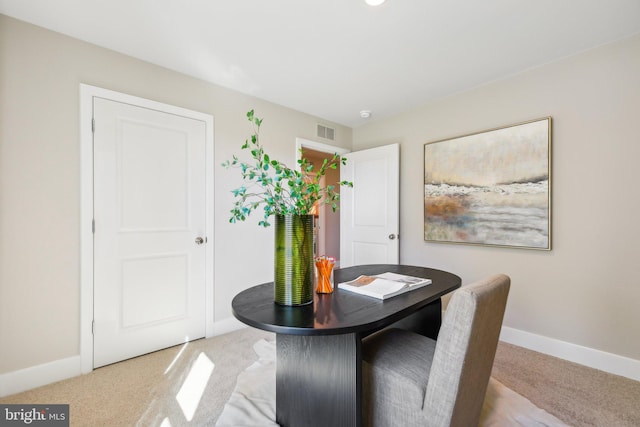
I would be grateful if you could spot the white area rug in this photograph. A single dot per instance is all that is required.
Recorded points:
(253, 400)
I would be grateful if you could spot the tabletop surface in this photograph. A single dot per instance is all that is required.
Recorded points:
(342, 311)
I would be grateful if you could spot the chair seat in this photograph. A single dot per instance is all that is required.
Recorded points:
(396, 366)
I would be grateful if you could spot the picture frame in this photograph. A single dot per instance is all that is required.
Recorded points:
(491, 187)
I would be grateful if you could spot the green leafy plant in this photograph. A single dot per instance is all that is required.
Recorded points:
(277, 188)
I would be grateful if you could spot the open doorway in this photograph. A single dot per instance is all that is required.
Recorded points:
(326, 222)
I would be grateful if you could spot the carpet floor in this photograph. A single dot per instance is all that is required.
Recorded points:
(162, 388)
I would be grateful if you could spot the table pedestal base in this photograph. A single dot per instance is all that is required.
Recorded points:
(319, 380)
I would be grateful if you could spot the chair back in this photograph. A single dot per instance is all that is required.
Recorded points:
(464, 353)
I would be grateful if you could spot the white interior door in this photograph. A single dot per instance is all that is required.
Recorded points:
(369, 212)
(149, 242)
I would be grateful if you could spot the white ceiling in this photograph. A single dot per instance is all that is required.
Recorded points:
(334, 58)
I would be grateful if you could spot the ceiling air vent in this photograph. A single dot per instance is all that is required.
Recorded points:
(326, 132)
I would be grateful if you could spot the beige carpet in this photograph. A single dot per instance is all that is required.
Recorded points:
(574, 393)
(143, 391)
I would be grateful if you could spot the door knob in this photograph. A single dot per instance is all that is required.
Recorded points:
(199, 240)
(392, 236)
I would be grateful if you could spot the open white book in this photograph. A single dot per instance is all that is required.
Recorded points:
(385, 285)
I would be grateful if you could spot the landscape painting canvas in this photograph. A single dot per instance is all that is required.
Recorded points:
(490, 188)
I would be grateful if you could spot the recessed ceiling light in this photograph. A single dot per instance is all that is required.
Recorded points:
(365, 114)
(374, 2)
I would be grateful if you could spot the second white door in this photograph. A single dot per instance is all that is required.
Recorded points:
(150, 236)
(369, 212)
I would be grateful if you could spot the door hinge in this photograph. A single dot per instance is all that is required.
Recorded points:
(93, 125)
(93, 226)
(93, 327)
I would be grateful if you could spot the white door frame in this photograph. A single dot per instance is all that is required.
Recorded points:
(87, 93)
(323, 148)
(318, 146)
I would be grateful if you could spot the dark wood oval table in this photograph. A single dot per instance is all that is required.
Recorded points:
(318, 346)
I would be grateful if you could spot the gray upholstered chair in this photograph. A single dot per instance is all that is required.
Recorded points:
(411, 380)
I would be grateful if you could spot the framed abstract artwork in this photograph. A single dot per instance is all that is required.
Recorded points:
(491, 187)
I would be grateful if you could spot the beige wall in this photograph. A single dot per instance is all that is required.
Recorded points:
(40, 74)
(586, 291)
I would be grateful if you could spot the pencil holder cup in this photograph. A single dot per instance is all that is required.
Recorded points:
(324, 277)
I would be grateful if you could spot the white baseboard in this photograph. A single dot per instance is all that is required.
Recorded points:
(227, 325)
(36, 376)
(47, 373)
(608, 362)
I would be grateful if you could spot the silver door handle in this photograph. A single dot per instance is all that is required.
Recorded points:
(199, 240)
(392, 236)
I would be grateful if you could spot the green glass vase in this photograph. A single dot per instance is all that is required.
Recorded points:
(293, 275)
